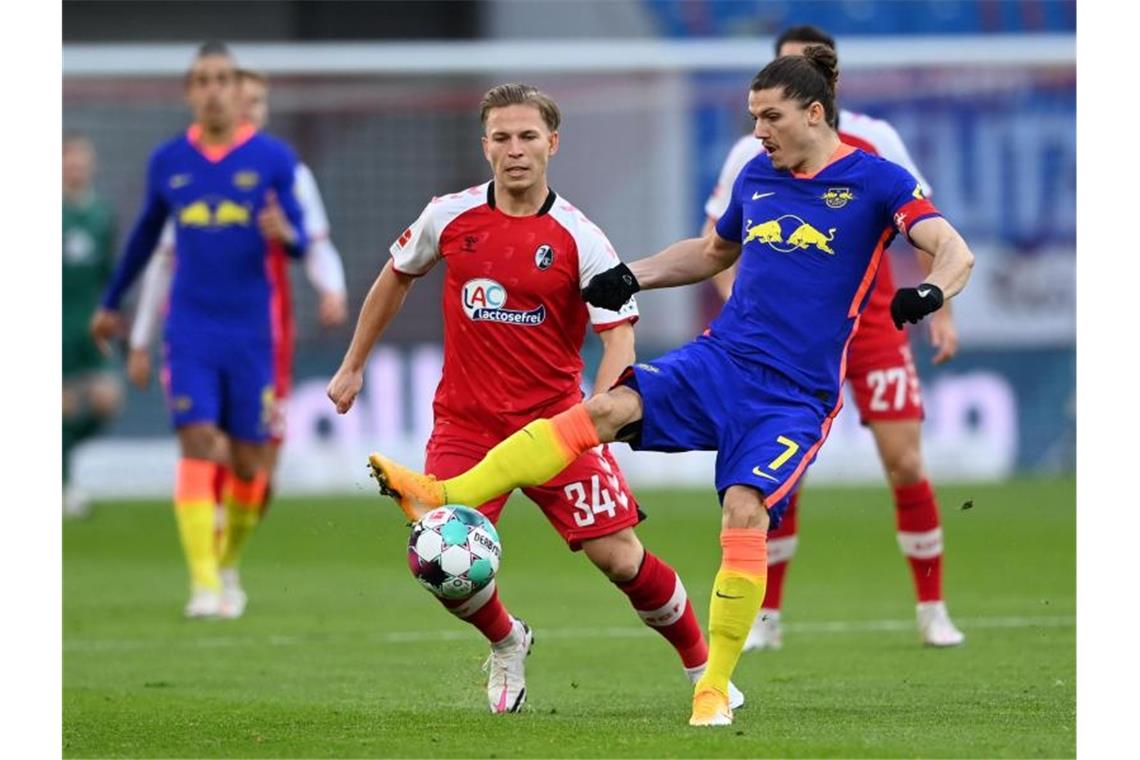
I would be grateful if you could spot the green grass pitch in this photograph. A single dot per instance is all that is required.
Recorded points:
(341, 654)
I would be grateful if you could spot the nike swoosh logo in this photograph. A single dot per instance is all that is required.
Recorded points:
(726, 596)
(757, 471)
(923, 292)
(758, 196)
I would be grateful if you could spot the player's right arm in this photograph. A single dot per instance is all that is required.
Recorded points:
(413, 254)
(106, 321)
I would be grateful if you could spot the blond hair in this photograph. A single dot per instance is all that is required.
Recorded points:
(515, 94)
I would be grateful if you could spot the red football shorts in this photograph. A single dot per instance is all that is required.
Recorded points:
(881, 372)
(589, 499)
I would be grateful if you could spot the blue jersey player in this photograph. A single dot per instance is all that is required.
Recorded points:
(809, 220)
(229, 191)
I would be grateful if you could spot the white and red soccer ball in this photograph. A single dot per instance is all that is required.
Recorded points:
(454, 551)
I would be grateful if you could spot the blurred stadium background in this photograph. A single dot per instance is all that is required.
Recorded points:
(652, 92)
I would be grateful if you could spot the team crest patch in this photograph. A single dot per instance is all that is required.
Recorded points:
(485, 300)
(544, 257)
(246, 179)
(837, 197)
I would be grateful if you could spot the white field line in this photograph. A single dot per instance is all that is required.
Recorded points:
(79, 644)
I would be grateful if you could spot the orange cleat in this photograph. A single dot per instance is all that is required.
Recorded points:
(710, 708)
(416, 494)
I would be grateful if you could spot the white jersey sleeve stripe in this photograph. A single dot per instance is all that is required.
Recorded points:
(416, 251)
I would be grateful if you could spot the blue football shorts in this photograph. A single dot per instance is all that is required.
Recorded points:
(765, 428)
(225, 382)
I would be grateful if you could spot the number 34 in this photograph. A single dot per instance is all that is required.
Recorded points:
(600, 502)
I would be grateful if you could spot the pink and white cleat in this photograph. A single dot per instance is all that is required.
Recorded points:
(506, 670)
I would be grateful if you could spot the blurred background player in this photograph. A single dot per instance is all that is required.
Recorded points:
(517, 255)
(777, 350)
(92, 393)
(323, 268)
(230, 191)
(881, 372)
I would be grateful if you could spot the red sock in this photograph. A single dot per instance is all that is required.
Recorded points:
(659, 598)
(920, 537)
(782, 544)
(485, 612)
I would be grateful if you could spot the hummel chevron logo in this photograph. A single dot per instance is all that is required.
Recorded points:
(758, 196)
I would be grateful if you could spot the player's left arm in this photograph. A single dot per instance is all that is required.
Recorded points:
(280, 218)
(943, 331)
(618, 352)
(951, 263)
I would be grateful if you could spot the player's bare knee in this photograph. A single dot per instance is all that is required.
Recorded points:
(614, 412)
(246, 460)
(197, 441)
(905, 468)
(618, 555)
(744, 508)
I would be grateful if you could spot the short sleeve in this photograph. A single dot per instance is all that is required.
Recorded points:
(416, 251)
(906, 201)
(596, 255)
(729, 225)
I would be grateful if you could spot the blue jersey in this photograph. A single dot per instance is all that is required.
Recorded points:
(221, 284)
(811, 250)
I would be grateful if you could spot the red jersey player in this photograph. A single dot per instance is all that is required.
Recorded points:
(517, 256)
(885, 384)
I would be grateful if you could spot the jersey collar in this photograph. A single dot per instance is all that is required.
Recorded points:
(547, 204)
(215, 153)
(843, 151)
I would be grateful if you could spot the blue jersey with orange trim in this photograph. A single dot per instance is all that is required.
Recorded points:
(221, 285)
(811, 250)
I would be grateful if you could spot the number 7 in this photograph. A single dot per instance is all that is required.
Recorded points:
(793, 447)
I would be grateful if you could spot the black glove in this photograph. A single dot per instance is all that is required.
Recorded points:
(912, 304)
(612, 288)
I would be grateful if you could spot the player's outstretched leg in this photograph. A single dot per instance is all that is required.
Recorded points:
(737, 592)
(529, 457)
(767, 633)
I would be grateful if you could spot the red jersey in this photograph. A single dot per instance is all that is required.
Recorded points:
(513, 315)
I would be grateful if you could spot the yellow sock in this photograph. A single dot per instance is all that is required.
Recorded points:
(194, 511)
(737, 593)
(529, 457)
(243, 512)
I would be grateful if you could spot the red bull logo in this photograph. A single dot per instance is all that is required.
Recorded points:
(801, 235)
(225, 213)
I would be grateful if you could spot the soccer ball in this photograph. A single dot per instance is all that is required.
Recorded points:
(454, 551)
